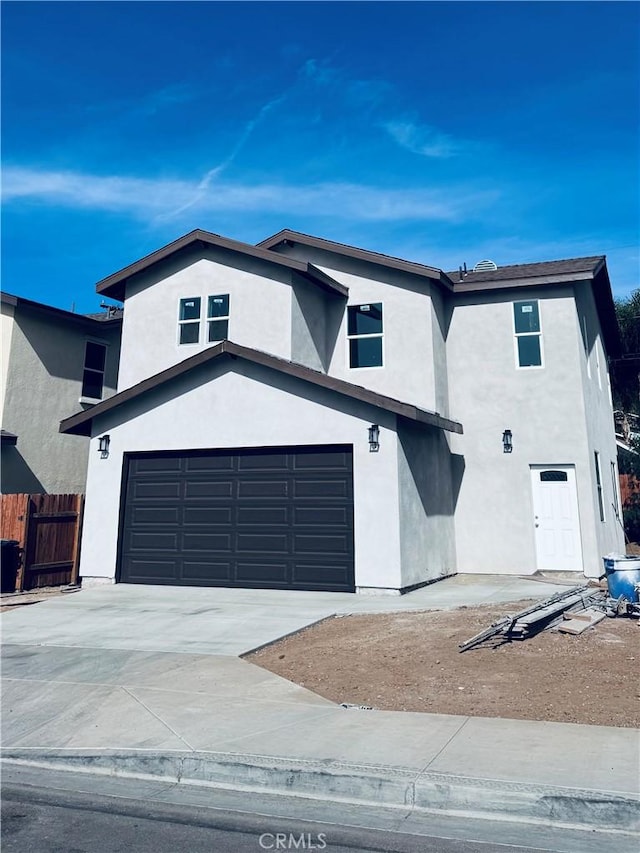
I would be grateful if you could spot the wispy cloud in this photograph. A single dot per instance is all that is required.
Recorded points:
(379, 99)
(145, 197)
(421, 139)
(204, 185)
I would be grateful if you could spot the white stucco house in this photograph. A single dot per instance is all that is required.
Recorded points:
(53, 362)
(304, 414)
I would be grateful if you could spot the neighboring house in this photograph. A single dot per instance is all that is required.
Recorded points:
(53, 361)
(291, 415)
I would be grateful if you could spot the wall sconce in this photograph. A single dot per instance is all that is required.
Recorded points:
(374, 436)
(507, 441)
(103, 446)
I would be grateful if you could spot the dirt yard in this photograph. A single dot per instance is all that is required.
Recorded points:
(411, 662)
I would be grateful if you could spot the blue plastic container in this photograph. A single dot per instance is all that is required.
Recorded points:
(623, 575)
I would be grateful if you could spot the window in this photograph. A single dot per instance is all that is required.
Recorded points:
(526, 320)
(615, 482)
(553, 477)
(364, 330)
(218, 318)
(585, 340)
(189, 320)
(599, 485)
(95, 356)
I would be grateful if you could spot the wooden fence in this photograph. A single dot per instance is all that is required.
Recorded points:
(47, 528)
(629, 486)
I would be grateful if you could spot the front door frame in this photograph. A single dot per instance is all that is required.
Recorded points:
(570, 470)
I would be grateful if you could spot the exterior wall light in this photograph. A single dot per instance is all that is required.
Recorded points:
(103, 445)
(374, 438)
(507, 441)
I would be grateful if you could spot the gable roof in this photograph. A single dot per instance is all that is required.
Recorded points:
(89, 320)
(288, 236)
(546, 272)
(114, 285)
(80, 424)
(593, 269)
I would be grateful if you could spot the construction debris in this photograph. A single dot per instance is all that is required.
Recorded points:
(577, 623)
(546, 614)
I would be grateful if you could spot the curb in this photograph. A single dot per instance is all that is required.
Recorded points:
(333, 781)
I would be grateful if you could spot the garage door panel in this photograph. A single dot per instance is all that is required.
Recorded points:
(263, 543)
(210, 462)
(149, 570)
(211, 542)
(143, 489)
(261, 515)
(261, 461)
(322, 461)
(321, 516)
(334, 487)
(157, 515)
(321, 544)
(206, 573)
(281, 519)
(269, 574)
(319, 575)
(263, 488)
(156, 464)
(208, 489)
(208, 515)
(153, 541)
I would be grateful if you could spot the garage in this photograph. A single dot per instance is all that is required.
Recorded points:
(277, 518)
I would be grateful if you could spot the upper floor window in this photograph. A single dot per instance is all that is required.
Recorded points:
(189, 320)
(218, 317)
(95, 357)
(364, 330)
(596, 459)
(526, 320)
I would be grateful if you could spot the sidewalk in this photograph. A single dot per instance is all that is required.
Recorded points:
(218, 720)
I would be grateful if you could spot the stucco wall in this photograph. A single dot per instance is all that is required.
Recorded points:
(545, 409)
(6, 331)
(43, 387)
(219, 406)
(427, 533)
(259, 305)
(411, 357)
(605, 536)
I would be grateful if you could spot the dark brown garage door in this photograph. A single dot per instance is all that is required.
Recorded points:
(279, 518)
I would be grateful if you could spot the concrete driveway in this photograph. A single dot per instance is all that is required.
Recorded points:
(218, 621)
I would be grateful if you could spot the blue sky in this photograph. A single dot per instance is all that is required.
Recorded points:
(438, 132)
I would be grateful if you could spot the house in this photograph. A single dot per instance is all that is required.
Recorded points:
(304, 414)
(53, 361)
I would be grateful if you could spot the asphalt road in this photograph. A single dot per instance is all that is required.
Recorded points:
(60, 812)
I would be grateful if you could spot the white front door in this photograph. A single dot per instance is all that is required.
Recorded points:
(557, 527)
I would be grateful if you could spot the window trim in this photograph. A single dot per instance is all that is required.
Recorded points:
(86, 398)
(516, 335)
(210, 319)
(585, 340)
(380, 335)
(599, 485)
(615, 483)
(192, 322)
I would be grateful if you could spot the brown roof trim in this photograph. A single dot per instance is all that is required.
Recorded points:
(59, 313)
(288, 236)
(570, 271)
(114, 285)
(8, 438)
(522, 275)
(80, 424)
